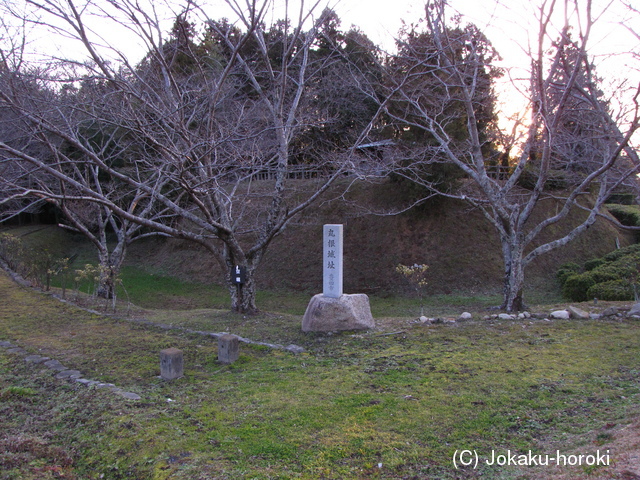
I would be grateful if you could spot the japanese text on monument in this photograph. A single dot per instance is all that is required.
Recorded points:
(332, 260)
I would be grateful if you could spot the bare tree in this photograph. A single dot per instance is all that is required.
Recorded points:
(207, 126)
(27, 188)
(26, 185)
(571, 127)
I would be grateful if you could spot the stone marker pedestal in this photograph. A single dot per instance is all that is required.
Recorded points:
(228, 348)
(330, 314)
(171, 364)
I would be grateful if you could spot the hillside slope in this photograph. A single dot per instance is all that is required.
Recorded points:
(460, 246)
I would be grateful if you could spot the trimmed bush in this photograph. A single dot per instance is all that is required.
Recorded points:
(611, 277)
(594, 263)
(576, 286)
(621, 252)
(609, 272)
(566, 270)
(626, 214)
(556, 179)
(612, 290)
(622, 198)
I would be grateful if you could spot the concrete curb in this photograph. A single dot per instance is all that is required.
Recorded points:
(61, 372)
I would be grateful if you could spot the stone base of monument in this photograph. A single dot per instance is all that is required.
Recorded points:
(329, 314)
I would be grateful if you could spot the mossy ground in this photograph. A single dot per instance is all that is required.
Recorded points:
(393, 403)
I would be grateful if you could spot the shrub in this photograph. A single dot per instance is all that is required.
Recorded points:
(612, 290)
(626, 214)
(566, 270)
(412, 183)
(622, 198)
(608, 272)
(612, 277)
(11, 250)
(38, 264)
(622, 252)
(556, 179)
(576, 286)
(593, 263)
(417, 277)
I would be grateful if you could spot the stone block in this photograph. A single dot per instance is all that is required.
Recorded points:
(575, 312)
(228, 348)
(635, 310)
(171, 364)
(55, 365)
(17, 351)
(72, 374)
(129, 395)
(36, 359)
(328, 314)
(560, 315)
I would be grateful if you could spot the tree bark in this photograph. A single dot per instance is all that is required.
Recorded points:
(110, 266)
(243, 295)
(512, 251)
(241, 290)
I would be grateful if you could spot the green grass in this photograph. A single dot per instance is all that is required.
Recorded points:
(156, 291)
(393, 403)
(353, 406)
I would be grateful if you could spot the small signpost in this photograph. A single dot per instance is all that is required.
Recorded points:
(238, 274)
(332, 259)
(238, 277)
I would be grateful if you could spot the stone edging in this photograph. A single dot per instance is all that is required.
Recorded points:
(64, 373)
(165, 326)
(25, 283)
(289, 348)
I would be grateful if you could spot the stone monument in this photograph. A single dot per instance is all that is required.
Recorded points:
(333, 310)
(332, 261)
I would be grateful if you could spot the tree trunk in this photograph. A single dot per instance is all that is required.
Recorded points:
(512, 250)
(241, 283)
(107, 280)
(110, 265)
(243, 295)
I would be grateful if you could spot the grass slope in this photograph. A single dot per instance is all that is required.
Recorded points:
(458, 244)
(460, 247)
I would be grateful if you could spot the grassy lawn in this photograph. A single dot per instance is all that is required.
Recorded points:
(394, 403)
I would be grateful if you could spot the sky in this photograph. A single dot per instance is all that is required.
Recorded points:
(507, 22)
(509, 25)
